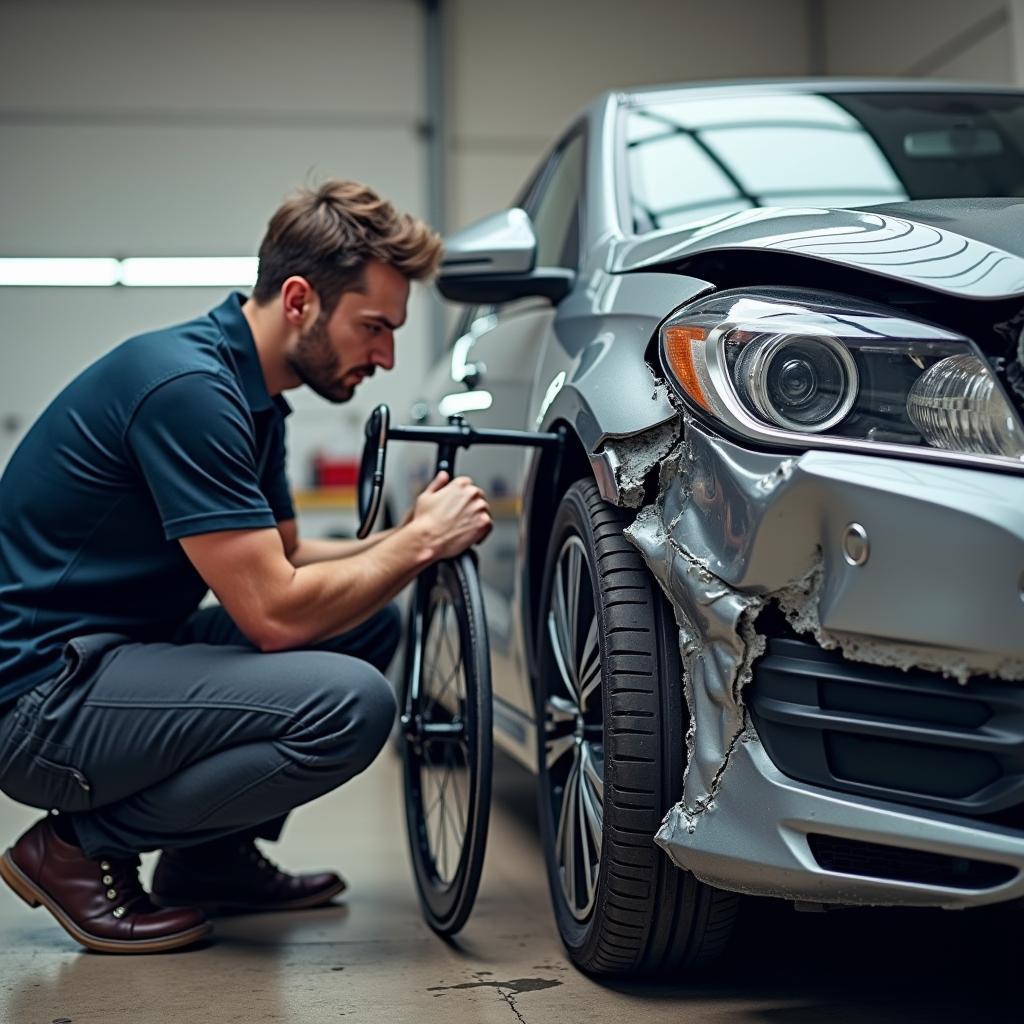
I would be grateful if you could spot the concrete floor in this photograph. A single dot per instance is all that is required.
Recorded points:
(372, 959)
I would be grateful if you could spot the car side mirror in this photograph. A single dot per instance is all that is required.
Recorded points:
(494, 261)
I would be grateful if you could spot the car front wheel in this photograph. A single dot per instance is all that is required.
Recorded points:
(611, 755)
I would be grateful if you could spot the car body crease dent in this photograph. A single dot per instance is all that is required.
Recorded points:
(729, 532)
(717, 641)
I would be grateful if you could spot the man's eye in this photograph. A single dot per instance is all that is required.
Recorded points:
(374, 328)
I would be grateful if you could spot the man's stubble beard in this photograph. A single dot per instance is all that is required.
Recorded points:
(316, 364)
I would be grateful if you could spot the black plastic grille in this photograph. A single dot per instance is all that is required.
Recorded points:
(900, 864)
(908, 737)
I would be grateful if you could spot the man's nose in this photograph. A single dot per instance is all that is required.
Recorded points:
(384, 355)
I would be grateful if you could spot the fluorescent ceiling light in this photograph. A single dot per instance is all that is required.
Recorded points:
(188, 271)
(471, 401)
(75, 273)
(136, 272)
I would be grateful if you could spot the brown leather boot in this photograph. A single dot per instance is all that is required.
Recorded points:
(233, 876)
(99, 903)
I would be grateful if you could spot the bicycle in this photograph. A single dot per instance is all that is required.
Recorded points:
(445, 700)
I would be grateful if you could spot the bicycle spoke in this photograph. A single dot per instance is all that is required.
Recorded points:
(457, 671)
(442, 843)
(460, 804)
(444, 642)
(439, 679)
(435, 845)
(442, 831)
(457, 836)
(446, 635)
(438, 776)
(436, 796)
(435, 698)
(428, 663)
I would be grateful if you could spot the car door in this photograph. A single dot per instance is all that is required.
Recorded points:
(500, 353)
(486, 376)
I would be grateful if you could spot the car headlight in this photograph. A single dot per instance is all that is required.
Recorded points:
(783, 367)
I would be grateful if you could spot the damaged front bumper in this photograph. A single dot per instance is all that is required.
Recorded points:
(896, 564)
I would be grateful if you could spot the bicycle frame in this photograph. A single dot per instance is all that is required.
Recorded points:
(457, 434)
(466, 725)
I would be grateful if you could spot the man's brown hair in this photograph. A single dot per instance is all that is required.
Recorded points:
(328, 234)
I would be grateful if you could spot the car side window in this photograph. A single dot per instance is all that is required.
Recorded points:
(555, 208)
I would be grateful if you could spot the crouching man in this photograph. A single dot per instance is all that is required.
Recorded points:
(157, 474)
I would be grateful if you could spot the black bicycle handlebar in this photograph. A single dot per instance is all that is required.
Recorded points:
(462, 435)
(449, 439)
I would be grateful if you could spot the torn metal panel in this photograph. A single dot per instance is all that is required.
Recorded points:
(718, 645)
(948, 541)
(626, 461)
(755, 841)
(716, 501)
(732, 530)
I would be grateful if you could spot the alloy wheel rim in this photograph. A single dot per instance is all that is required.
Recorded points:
(574, 729)
(444, 766)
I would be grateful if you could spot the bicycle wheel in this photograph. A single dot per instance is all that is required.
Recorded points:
(446, 727)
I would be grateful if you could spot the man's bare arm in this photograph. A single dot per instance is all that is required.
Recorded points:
(278, 606)
(309, 550)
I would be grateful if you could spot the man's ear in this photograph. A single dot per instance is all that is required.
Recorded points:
(299, 302)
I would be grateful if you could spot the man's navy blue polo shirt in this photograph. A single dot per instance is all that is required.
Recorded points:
(170, 434)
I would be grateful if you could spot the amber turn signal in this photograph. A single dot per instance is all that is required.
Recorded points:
(679, 342)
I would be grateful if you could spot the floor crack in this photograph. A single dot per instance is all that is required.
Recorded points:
(507, 996)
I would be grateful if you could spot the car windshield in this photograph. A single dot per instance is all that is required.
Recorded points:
(694, 160)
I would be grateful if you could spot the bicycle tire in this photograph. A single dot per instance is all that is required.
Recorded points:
(446, 731)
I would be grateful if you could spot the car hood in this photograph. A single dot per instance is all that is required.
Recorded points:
(972, 248)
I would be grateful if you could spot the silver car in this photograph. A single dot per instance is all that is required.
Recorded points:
(760, 628)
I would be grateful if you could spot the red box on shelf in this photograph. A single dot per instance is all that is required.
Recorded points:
(335, 471)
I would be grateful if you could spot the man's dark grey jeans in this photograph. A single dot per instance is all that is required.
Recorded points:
(155, 745)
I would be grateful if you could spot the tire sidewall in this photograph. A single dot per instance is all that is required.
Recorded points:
(572, 518)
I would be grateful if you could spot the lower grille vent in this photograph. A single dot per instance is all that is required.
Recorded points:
(899, 864)
(909, 737)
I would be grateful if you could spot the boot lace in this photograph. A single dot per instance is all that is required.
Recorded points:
(123, 888)
(262, 864)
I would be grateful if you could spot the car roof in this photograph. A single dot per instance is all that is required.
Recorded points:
(769, 86)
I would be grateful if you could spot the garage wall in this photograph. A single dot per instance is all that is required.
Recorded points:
(518, 72)
(946, 39)
(140, 127)
(146, 128)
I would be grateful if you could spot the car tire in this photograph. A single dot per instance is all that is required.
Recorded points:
(633, 911)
